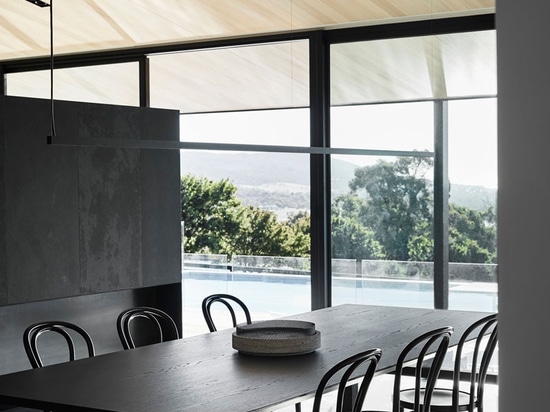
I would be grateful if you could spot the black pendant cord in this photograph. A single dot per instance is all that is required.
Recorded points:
(52, 125)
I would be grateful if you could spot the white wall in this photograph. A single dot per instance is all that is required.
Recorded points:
(523, 35)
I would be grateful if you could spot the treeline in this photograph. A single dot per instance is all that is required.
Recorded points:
(216, 221)
(387, 214)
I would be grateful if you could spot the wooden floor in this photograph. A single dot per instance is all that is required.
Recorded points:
(379, 397)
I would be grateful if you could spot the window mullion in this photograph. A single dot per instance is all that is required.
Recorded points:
(321, 273)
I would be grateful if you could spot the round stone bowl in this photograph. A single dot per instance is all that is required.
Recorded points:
(276, 338)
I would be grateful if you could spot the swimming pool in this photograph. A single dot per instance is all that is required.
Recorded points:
(273, 295)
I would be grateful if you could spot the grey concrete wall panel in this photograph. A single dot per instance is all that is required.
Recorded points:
(41, 206)
(161, 214)
(110, 213)
(85, 220)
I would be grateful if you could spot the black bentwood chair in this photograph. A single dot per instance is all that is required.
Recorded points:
(67, 330)
(367, 360)
(426, 353)
(229, 301)
(482, 335)
(163, 326)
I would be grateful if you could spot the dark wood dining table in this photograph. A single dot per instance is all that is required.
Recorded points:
(205, 373)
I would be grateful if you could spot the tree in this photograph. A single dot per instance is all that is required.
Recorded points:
(472, 235)
(217, 222)
(399, 199)
(210, 212)
(421, 245)
(299, 243)
(259, 234)
(350, 238)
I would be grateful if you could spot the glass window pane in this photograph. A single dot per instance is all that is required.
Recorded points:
(286, 127)
(246, 232)
(399, 126)
(469, 63)
(472, 204)
(109, 84)
(409, 73)
(382, 242)
(246, 215)
(252, 77)
(473, 145)
(414, 68)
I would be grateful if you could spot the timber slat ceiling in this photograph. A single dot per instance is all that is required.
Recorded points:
(91, 25)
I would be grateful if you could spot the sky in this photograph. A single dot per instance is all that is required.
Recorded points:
(472, 132)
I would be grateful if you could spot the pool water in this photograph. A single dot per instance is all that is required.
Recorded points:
(271, 296)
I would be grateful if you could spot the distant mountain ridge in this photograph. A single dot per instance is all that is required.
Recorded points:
(275, 179)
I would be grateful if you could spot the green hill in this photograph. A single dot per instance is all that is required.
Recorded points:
(277, 179)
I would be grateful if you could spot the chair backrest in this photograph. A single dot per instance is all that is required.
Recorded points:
(369, 359)
(227, 301)
(485, 336)
(31, 334)
(162, 323)
(428, 351)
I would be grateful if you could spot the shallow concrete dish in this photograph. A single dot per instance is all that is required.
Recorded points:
(276, 338)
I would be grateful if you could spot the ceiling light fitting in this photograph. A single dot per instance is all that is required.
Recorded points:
(39, 3)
